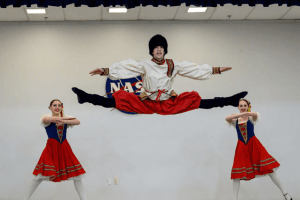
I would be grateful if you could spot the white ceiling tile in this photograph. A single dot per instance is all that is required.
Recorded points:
(294, 13)
(12, 14)
(35, 17)
(182, 13)
(158, 13)
(236, 12)
(85, 13)
(82, 13)
(132, 14)
(55, 13)
(272, 12)
(52, 14)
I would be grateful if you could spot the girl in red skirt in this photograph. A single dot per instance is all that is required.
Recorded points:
(57, 162)
(251, 159)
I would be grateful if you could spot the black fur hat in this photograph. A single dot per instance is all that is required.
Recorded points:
(158, 40)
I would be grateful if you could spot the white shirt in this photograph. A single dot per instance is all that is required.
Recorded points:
(155, 76)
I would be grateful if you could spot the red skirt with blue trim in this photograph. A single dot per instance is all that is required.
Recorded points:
(252, 160)
(58, 162)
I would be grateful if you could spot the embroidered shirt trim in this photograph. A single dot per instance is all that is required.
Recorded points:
(216, 70)
(173, 94)
(170, 67)
(105, 72)
(158, 62)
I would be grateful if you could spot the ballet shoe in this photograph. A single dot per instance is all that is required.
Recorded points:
(287, 195)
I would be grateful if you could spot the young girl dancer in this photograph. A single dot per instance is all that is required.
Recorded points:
(57, 162)
(251, 159)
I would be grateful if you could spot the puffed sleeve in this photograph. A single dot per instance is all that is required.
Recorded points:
(232, 123)
(254, 122)
(125, 69)
(69, 126)
(41, 120)
(192, 70)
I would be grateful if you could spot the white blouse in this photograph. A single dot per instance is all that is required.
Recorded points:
(155, 76)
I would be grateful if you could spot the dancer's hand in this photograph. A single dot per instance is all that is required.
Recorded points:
(224, 69)
(59, 124)
(60, 120)
(97, 71)
(245, 114)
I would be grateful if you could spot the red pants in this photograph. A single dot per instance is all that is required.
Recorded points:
(129, 102)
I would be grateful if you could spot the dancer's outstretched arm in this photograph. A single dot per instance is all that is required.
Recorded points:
(224, 69)
(120, 70)
(199, 72)
(99, 71)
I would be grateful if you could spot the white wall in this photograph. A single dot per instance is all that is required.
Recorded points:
(181, 157)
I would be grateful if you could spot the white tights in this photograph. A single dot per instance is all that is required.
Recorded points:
(35, 183)
(80, 190)
(274, 178)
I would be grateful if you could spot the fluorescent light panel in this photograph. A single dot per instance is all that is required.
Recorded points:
(117, 10)
(197, 9)
(36, 11)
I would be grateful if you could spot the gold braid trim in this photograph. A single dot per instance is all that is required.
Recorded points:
(158, 62)
(266, 163)
(74, 166)
(170, 67)
(267, 159)
(44, 165)
(216, 70)
(242, 172)
(239, 168)
(68, 172)
(62, 170)
(252, 168)
(244, 132)
(105, 72)
(47, 169)
(173, 94)
(143, 96)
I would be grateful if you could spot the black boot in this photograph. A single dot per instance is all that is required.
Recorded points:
(222, 101)
(94, 99)
(82, 96)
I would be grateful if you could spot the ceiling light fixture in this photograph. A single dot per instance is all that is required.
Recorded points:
(197, 9)
(36, 11)
(117, 10)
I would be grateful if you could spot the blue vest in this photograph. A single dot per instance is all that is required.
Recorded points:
(52, 132)
(250, 131)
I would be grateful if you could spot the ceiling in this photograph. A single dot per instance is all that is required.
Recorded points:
(84, 13)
